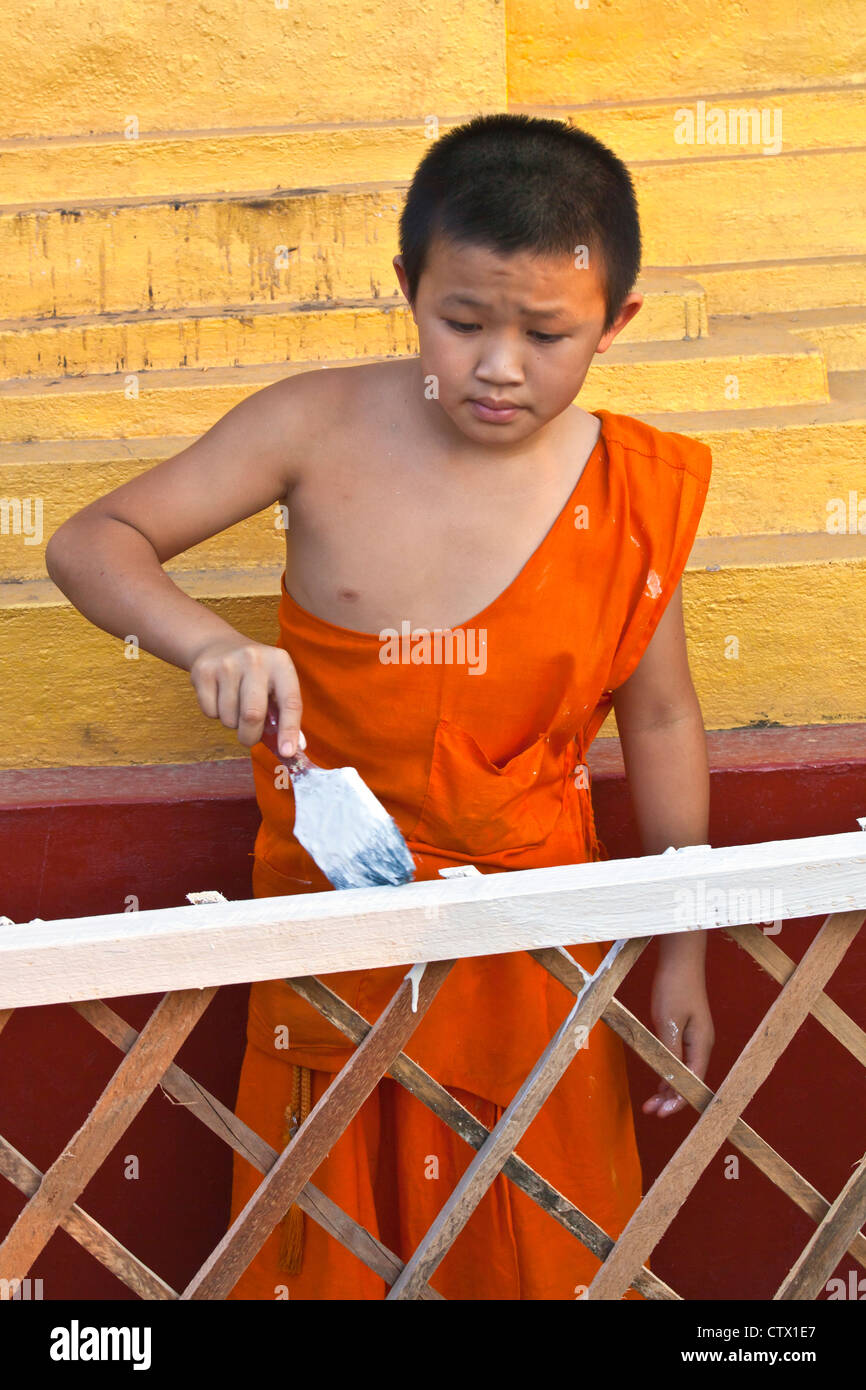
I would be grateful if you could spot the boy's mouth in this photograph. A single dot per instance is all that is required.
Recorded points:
(488, 409)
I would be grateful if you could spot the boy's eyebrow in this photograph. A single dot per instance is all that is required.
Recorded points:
(474, 303)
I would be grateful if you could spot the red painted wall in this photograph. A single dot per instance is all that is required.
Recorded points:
(78, 842)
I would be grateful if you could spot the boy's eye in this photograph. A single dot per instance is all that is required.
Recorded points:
(542, 337)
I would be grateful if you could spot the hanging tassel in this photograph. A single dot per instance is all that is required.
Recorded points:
(292, 1224)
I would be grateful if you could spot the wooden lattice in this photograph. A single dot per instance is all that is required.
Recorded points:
(823, 873)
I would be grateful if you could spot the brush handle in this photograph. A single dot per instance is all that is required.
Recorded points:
(299, 762)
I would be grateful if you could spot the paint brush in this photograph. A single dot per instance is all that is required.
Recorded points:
(339, 821)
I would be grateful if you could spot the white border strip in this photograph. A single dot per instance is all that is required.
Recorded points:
(477, 915)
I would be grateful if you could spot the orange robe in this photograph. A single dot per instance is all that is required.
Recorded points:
(480, 760)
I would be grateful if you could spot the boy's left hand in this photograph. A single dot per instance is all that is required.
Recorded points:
(682, 1020)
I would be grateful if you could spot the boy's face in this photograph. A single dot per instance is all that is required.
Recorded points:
(499, 350)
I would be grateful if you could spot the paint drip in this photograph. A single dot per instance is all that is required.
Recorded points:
(414, 978)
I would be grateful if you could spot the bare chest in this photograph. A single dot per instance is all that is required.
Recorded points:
(378, 535)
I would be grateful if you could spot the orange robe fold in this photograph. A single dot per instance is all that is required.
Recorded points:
(475, 741)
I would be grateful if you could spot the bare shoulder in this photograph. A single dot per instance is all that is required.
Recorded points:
(328, 391)
(294, 413)
(345, 385)
(358, 386)
(324, 410)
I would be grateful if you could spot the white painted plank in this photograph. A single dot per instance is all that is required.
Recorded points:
(316, 933)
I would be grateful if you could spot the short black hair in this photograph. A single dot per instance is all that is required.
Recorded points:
(514, 182)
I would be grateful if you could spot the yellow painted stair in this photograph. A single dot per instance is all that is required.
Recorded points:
(224, 260)
(775, 471)
(774, 625)
(94, 344)
(313, 155)
(201, 248)
(733, 370)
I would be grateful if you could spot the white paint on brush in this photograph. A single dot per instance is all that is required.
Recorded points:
(346, 830)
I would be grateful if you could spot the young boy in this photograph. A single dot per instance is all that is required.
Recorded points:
(476, 571)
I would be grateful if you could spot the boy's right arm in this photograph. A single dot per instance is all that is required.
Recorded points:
(108, 557)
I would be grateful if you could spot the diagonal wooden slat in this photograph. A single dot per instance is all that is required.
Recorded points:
(749, 1071)
(463, 1122)
(181, 1087)
(168, 1026)
(837, 1224)
(90, 1235)
(317, 1135)
(770, 955)
(358, 1239)
(222, 1122)
(516, 1119)
(662, 1061)
(819, 1258)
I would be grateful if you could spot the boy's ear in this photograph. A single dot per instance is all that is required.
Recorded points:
(401, 277)
(630, 306)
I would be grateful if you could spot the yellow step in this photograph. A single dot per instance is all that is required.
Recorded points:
(782, 286)
(44, 482)
(698, 127)
(338, 243)
(189, 162)
(674, 308)
(840, 333)
(769, 618)
(777, 637)
(781, 469)
(738, 367)
(119, 255)
(310, 155)
(817, 449)
(730, 370)
(749, 206)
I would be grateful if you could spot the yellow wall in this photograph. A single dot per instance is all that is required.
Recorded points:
(80, 68)
(560, 52)
(147, 247)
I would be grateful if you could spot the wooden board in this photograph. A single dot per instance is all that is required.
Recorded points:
(319, 933)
